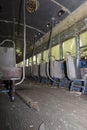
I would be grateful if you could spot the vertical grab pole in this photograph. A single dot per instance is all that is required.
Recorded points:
(77, 40)
(41, 56)
(24, 53)
(61, 48)
(36, 59)
(24, 41)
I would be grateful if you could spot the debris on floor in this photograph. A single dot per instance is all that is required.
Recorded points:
(29, 101)
(35, 106)
(58, 109)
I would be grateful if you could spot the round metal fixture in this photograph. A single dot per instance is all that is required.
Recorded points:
(48, 24)
(32, 5)
(60, 12)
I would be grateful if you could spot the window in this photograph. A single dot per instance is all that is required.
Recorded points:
(20, 64)
(83, 39)
(69, 47)
(56, 52)
(83, 43)
(34, 59)
(26, 62)
(30, 61)
(39, 58)
(45, 55)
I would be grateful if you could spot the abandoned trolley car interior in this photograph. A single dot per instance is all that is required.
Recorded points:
(43, 65)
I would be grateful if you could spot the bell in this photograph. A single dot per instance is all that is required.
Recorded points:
(32, 5)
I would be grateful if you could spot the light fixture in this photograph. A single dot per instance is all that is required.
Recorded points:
(60, 13)
(39, 33)
(48, 24)
(32, 5)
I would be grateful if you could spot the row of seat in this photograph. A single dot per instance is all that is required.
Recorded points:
(54, 68)
(59, 70)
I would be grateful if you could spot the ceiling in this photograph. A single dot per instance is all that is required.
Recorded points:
(12, 19)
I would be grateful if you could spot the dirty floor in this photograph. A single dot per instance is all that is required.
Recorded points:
(37, 103)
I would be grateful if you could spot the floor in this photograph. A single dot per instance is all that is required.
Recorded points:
(37, 103)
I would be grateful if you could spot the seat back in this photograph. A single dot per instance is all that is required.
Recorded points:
(35, 70)
(84, 73)
(7, 57)
(43, 70)
(72, 71)
(56, 69)
(28, 71)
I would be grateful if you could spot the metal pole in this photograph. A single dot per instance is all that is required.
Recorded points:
(14, 29)
(77, 40)
(60, 48)
(24, 53)
(42, 56)
(32, 60)
(36, 58)
(61, 51)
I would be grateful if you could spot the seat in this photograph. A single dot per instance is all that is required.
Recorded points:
(56, 69)
(28, 71)
(43, 72)
(8, 70)
(78, 83)
(35, 71)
